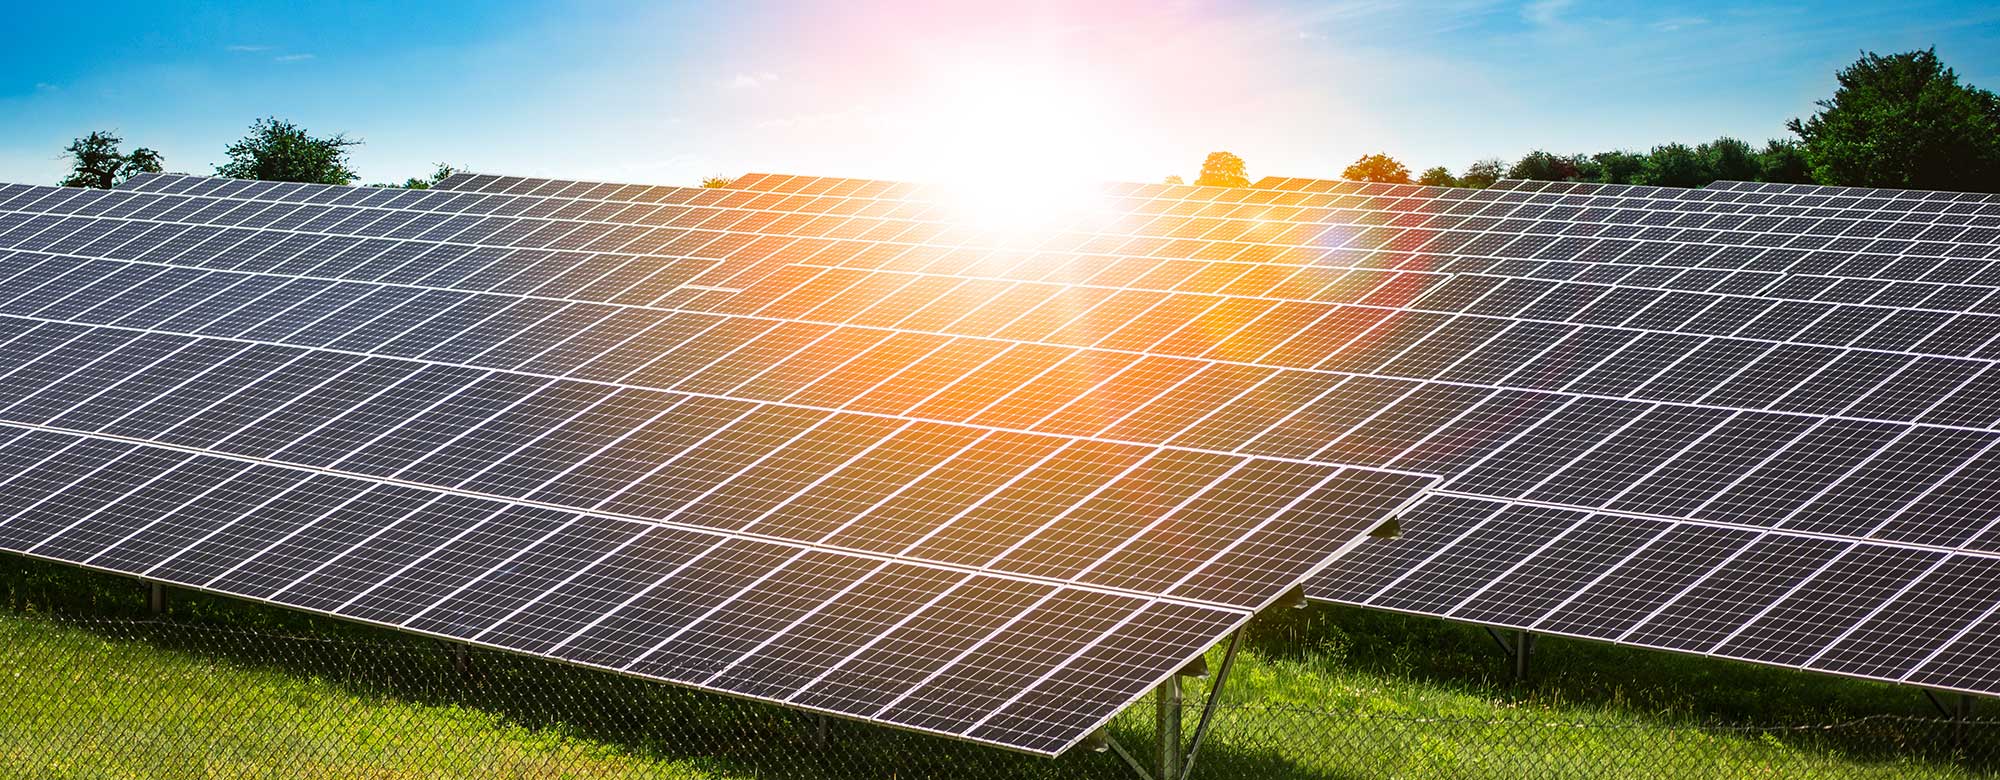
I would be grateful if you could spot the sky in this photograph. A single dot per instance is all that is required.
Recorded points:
(926, 91)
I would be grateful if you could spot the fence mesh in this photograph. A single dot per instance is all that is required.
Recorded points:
(125, 697)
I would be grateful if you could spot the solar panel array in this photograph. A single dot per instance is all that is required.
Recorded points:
(1741, 421)
(1753, 421)
(570, 452)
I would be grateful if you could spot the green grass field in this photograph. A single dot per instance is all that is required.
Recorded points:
(1321, 693)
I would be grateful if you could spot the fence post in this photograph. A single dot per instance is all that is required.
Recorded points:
(1167, 729)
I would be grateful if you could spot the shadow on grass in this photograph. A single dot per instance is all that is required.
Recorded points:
(1572, 672)
(1866, 722)
(725, 737)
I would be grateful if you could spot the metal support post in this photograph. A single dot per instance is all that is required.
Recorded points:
(1960, 722)
(1214, 698)
(1169, 760)
(1524, 649)
(1167, 729)
(1520, 648)
(156, 598)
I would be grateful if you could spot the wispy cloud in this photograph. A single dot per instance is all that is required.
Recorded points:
(815, 119)
(1546, 13)
(291, 58)
(1678, 23)
(750, 80)
(247, 47)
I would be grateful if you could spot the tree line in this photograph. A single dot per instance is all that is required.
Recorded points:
(1904, 121)
(273, 150)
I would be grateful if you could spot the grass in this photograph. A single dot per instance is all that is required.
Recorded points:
(1322, 693)
(81, 705)
(1434, 699)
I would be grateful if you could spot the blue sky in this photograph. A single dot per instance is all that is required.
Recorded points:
(671, 92)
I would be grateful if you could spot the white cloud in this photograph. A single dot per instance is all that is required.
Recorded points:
(291, 58)
(245, 47)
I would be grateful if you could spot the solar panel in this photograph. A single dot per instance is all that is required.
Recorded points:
(1659, 417)
(394, 453)
(1613, 547)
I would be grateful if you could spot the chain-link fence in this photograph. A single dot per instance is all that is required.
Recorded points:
(124, 697)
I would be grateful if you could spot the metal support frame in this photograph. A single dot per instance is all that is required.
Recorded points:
(1959, 713)
(1959, 709)
(156, 598)
(1167, 729)
(1214, 698)
(1520, 649)
(1169, 761)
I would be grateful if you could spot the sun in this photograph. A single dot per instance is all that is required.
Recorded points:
(1017, 148)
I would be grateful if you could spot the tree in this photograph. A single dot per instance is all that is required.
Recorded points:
(1439, 176)
(1904, 121)
(1174, 180)
(1377, 168)
(1586, 167)
(1619, 167)
(1222, 169)
(1543, 166)
(437, 177)
(1675, 165)
(1482, 173)
(715, 182)
(1783, 162)
(1729, 159)
(95, 161)
(276, 150)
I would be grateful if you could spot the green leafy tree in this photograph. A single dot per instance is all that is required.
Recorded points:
(1543, 166)
(96, 161)
(1675, 165)
(276, 150)
(1905, 121)
(1439, 176)
(1783, 161)
(1586, 166)
(1222, 169)
(716, 182)
(1483, 173)
(437, 177)
(1175, 180)
(1377, 168)
(1729, 159)
(1618, 167)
